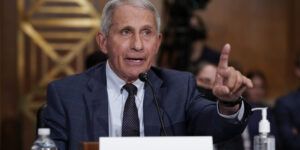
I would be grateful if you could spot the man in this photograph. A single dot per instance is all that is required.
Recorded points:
(94, 104)
(205, 75)
(287, 116)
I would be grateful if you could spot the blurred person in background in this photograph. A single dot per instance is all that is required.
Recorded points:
(287, 110)
(185, 37)
(205, 77)
(256, 97)
(200, 50)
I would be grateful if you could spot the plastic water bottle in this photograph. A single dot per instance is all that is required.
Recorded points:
(264, 141)
(43, 142)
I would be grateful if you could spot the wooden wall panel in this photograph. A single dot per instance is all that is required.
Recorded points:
(294, 43)
(258, 31)
(10, 137)
(296, 27)
(295, 38)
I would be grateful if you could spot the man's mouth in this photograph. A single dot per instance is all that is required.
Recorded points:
(135, 61)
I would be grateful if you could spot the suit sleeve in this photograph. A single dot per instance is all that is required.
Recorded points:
(285, 126)
(54, 118)
(203, 117)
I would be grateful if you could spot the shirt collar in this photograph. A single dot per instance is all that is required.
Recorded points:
(114, 82)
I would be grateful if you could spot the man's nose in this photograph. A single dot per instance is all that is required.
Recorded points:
(137, 43)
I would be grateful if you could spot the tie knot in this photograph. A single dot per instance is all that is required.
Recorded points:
(130, 88)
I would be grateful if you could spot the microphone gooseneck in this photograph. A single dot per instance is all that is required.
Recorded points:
(144, 77)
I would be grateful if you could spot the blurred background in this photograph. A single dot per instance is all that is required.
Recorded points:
(43, 40)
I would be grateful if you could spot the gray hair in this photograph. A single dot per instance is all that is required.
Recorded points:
(111, 5)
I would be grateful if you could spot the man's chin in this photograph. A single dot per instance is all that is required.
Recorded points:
(135, 75)
(131, 77)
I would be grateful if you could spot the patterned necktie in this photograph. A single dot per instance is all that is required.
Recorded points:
(131, 123)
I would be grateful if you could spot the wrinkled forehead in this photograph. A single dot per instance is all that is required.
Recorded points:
(131, 14)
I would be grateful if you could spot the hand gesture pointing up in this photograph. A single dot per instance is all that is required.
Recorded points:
(229, 84)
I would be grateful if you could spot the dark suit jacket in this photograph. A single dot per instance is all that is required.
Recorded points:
(77, 108)
(287, 111)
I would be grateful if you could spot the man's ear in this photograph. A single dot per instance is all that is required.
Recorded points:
(101, 41)
(158, 42)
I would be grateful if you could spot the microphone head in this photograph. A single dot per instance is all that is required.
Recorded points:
(143, 77)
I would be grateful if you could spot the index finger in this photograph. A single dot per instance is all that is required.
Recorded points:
(223, 62)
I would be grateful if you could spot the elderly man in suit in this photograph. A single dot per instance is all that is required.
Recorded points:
(111, 100)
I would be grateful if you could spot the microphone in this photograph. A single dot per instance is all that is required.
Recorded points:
(144, 77)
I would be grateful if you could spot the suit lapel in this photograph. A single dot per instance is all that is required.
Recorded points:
(96, 99)
(151, 118)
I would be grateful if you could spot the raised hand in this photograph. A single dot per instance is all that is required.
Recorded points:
(230, 83)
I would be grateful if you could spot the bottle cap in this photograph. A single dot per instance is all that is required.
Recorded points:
(43, 131)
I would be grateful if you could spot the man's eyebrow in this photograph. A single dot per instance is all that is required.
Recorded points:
(147, 27)
(126, 28)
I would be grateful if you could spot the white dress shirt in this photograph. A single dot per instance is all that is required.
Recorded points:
(117, 98)
(116, 102)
